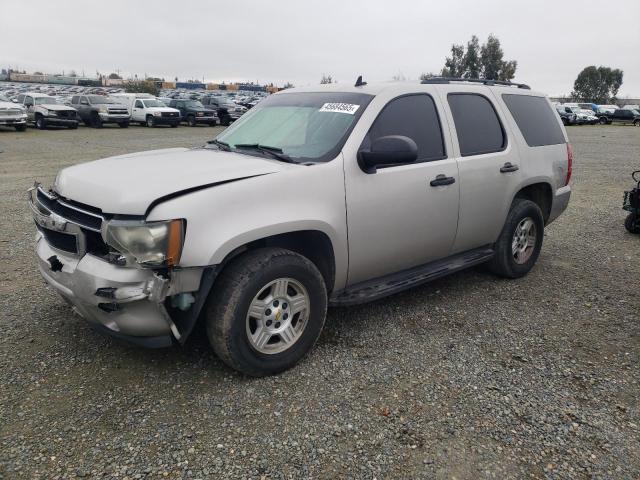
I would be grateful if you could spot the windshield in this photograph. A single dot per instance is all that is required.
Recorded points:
(305, 126)
(194, 104)
(99, 99)
(153, 103)
(45, 101)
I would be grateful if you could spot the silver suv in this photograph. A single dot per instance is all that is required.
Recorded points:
(327, 195)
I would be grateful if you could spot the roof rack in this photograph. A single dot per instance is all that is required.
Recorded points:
(484, 81)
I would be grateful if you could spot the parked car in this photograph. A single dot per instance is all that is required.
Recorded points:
(620, 116)
(43, 110)
(631, 107)
(566, 115)
(226, 110)
(590, 115)
(193, 112)
(148, 110)
(96, 110)
(12, 115)
(250, 232)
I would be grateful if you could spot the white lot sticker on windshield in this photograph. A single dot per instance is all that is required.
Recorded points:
(340, 108)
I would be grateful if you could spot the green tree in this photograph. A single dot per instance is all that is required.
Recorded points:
(597, 84)
(479, 61)
(454, 65)
(141, 86)
(427, 76)
(114, 76)
(471, 60)
(326, 79)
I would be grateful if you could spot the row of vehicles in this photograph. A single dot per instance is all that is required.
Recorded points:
(94, 110)
(592, 114)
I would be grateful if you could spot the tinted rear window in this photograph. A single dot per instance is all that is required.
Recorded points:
(477, 124)
(535, 119)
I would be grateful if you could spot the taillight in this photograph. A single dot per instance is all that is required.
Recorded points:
(569, 163)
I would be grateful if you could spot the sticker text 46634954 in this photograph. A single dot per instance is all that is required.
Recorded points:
(340, 108)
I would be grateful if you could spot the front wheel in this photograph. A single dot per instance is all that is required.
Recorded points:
(151, 122)
(632, 223)
(41, 124)
(520, 241)
(191, 121)
(603, 121)
(266, 311)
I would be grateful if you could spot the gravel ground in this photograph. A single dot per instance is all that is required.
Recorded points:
(467, 377)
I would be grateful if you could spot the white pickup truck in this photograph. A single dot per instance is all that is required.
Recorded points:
(147, 110)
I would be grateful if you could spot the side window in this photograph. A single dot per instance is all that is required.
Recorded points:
(477, 123)
(535, 119)
(28, 101)
(413, 116)
(21, 98)
(75, 99)
(139, 104)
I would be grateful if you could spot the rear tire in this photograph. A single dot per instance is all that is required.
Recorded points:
(520, 241)
(631, 225)
(262, 282)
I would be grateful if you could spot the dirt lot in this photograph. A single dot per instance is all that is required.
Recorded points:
(468, 377)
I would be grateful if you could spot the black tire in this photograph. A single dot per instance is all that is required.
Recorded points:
(123, 124)
(150, 121)
(565, 122)
(603, 121)
(191, 121)
(41, 123)
(227, 307)
(96, 121)
(503, 263)
(631, 225)
(20, 128)
(636, 123)
(225, 121)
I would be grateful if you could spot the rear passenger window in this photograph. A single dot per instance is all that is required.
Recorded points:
(535, 119)
(477, 123)
(416, 117)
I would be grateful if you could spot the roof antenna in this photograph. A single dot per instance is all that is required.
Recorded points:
(359, 82)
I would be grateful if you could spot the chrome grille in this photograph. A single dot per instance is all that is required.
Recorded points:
(69, 211)
(11, 112)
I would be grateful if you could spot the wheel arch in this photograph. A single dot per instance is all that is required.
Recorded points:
(314, 245)
(541, 194)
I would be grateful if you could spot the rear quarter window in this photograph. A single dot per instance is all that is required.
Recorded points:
(535, 119)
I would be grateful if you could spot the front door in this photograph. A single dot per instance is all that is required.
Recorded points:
(396, 219)
(137, 113)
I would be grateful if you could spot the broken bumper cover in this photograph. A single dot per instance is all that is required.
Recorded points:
(124, 302)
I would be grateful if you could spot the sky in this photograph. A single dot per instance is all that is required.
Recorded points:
(298, 41)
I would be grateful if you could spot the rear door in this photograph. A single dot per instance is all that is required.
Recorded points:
(488, 163)
(396, 218)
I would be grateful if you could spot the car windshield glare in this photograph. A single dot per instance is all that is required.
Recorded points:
(304, 126)
(45, 101)
(99, 99)
(153, 103)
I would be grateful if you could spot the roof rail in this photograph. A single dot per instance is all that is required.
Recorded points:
(484, 81)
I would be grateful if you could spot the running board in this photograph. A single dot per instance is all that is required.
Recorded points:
(397, 282)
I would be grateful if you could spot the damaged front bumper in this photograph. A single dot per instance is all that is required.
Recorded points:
(139, 305)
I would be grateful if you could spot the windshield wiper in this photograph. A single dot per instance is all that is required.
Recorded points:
(221, 145)
(275, 152)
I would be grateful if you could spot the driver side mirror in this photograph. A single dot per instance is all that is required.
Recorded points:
(387, 151)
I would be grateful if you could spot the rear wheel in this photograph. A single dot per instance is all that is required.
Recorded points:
(151, 121)
(266, 311)
(520, 241)
(632, 224)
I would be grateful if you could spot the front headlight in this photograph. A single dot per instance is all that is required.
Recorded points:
(157, 114)
(104, 109)
(150, 244)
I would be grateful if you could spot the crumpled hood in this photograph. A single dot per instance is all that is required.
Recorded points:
(129, 184)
